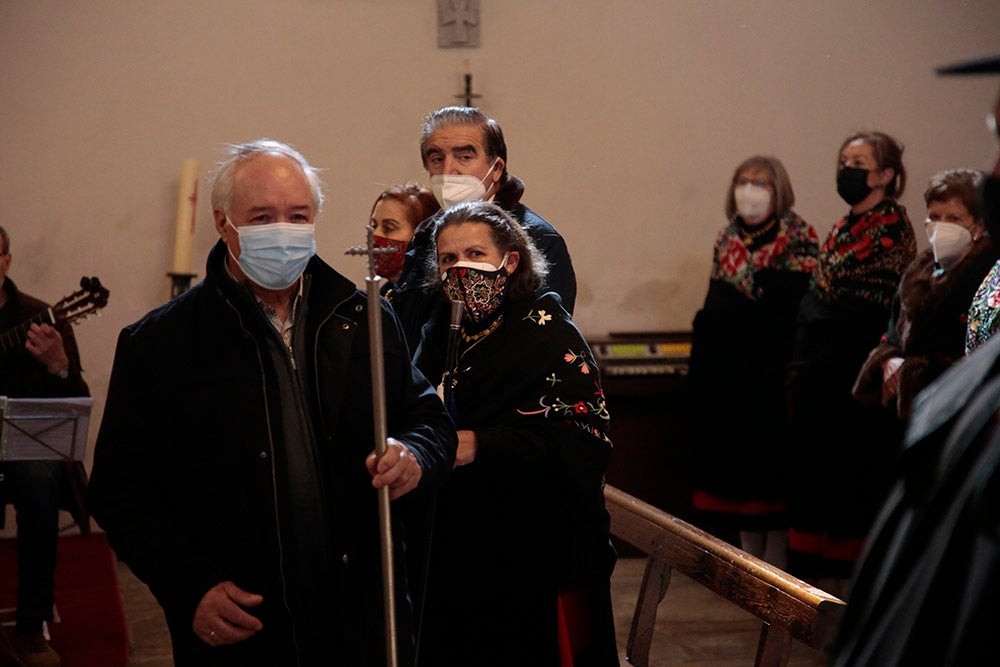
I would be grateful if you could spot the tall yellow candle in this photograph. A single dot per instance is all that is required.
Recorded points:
(187, 202)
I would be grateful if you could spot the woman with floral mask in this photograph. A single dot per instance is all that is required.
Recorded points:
(762, 262)
(840, 449)
(928, 327)
(521, 556)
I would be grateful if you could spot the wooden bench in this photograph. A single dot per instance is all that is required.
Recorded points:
(789, 608)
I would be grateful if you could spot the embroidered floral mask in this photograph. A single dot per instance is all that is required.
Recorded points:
(480, 286)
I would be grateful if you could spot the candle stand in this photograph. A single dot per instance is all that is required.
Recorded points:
(179, 283)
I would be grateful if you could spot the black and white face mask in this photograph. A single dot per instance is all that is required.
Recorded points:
(481, 287)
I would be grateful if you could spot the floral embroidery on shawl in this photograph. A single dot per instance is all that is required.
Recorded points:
(866, 259)
(794, 248)
(588, 412)
(984, 312)
(539, 318)
(578, 358)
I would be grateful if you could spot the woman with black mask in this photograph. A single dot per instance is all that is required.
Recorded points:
(839, 449)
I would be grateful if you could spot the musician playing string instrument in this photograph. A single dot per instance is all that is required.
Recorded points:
(41, 363)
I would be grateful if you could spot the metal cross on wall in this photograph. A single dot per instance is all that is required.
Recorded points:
(467, 94)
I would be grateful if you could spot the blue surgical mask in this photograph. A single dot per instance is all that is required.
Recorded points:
(274, 255)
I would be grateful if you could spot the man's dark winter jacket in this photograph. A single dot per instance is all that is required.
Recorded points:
(190, 476)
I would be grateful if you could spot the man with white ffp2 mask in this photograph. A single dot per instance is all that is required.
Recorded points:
(465, 155)
(453, 189)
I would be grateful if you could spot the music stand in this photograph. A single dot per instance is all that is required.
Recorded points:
(47, 429)
(44, 429)
(50, 429)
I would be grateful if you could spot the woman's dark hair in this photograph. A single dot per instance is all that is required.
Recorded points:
(888, 153)
(962, 184)
(507, 235)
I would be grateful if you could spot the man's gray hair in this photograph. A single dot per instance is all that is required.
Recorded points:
(222, 182)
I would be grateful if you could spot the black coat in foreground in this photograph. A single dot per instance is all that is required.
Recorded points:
(194, 477)
(927, 590)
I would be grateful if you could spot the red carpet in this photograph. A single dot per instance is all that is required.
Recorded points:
(91, 631)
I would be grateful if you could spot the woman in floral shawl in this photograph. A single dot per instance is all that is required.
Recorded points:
(841, 449)
(761, 268)
(521, 557)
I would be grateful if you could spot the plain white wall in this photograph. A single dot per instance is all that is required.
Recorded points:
(625, 119)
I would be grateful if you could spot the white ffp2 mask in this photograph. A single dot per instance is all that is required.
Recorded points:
(453, 189)
(752, 202)
(948, 239)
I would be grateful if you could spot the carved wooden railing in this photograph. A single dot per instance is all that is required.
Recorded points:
(789, 608)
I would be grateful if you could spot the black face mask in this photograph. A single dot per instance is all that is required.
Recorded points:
(852, 184)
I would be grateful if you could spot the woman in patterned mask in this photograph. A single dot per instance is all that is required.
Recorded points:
(395, 215)
(761, 267)
(521, 557)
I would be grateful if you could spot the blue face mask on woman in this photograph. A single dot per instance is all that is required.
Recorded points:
(274, 255)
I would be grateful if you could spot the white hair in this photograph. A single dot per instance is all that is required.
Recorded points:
(222, 182)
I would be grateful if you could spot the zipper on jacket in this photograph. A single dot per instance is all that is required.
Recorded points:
(274, 479)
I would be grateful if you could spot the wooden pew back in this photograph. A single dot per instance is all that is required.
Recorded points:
(789, 608)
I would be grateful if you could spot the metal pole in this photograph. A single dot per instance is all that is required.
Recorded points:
(384, 510)
(379, 415)
(451, 354)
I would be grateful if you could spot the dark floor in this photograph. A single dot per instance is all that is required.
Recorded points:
(695, 627)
